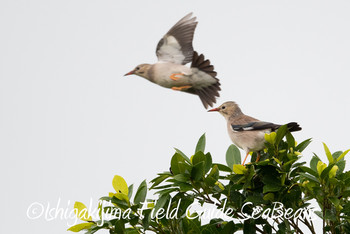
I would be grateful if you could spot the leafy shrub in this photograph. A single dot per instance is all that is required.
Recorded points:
(269, 196)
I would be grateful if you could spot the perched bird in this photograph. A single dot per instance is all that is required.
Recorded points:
(247, 132)
(175, 50)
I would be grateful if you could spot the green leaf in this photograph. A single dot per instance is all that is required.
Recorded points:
(131, 231)
(121, 196)
(99, 208)
(161, 202)
(131, 188)
(208, 162)
(200, 157)
(120, 203)
(319, 214)
(328, 153)
(334, 200)
(179, 164)
(165, 186)
(201, 144)
(309, 170)
(119, 226)
(79, 227)
(270, 137)
(181, 178)
(336, 155)
(233, 156)
(183, 155)
(147, 219)
(320, 167)
(214, 173)
(184, 187)
(235, 197)
(239, 169)
(141, 193)
(333, 171)
(271, 188)
(300, 147)
(290, 140)
(166, 191)
(220, 185)
(230, 227)
(343, 155)
(271, 183)
(330, 215)
(341, 165)
(256, 199)
(249, 227)
(325, 172)
(277, 161)
(310, 177)
(213, 176)
(223, 167)
(159, 180)
(281, 132)
(269, 197)
(120, 185)
(197, 171)
(313, 162)
(82, 212)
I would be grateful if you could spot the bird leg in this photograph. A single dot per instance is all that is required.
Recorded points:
(181, 87)
(245, 158)
(175, 77)
(258, 157)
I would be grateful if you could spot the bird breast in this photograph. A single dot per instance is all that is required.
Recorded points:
(248, 140)
(160, 74)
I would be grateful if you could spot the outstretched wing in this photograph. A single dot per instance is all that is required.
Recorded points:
(176, 44)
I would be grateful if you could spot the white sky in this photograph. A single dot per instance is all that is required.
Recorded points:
(70, 121)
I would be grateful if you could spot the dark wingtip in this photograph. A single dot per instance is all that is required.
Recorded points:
(293, 127)
(208, 94)
(203, 64)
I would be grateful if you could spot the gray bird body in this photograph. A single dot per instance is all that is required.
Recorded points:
(175, 50)
(247, 132)
(249, 141)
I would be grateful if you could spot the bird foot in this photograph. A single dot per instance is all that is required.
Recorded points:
(245, 158)
(258, 157)
(181, 88)
(175, 76)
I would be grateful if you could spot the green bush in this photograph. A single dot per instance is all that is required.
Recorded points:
(269, 196)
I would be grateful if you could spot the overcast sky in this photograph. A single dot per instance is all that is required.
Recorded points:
(70, 121)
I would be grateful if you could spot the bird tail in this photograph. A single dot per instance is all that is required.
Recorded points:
(206, 94)
(293, 127)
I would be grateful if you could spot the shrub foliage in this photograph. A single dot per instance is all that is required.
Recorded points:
(269, 196)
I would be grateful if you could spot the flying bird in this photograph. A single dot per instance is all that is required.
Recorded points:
(175, 50)
(247, 132)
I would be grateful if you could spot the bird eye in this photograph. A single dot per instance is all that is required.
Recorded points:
(223, 107)
(137, 68)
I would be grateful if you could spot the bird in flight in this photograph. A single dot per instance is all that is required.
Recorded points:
(175, 50)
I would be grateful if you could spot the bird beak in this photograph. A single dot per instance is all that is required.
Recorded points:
(130, 73)
(215, 109)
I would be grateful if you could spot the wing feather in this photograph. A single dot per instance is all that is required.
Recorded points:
(176, 44)
(260, 125)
